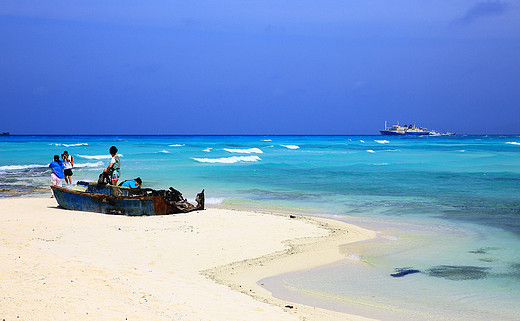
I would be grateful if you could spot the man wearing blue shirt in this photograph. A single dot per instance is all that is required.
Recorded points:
(132, 183)
(57, 172)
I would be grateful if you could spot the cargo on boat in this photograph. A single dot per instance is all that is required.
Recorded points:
(109, 199)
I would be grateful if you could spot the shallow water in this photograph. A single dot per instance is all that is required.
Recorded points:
(447, 206)
(465, 272)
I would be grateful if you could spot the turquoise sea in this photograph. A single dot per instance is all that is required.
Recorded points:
(447, 207)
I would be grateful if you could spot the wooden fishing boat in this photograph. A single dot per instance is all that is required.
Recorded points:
(109, 199)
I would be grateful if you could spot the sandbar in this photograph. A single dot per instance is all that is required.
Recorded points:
(69, 265)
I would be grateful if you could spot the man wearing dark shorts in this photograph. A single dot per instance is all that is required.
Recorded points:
(68, 162)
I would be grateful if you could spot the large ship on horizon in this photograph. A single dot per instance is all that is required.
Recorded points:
(404, 130)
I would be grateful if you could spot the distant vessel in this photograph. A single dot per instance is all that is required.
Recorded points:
(5, 134)
(404, 130)
(436, 133)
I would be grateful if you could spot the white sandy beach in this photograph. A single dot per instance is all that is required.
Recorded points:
(68, 265)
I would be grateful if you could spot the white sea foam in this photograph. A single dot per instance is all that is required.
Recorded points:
(176, 145)
(361, 140)
(19, 167)
(370, 151)
(208, 149)
(164, 151)
(97, 156)
(380, 164)
(382, 141)
(513, 143)
(244, 151)
(70, 145)
(96, 164)
(291, 146)
(229, 160)
(267, 140)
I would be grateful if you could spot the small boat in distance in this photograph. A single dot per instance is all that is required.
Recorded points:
(404, 130)
(109, 199)
(436, 133)
(5, 134)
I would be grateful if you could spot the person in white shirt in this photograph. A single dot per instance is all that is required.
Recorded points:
(68, 163)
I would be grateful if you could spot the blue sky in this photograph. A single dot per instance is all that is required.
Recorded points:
(258, 67)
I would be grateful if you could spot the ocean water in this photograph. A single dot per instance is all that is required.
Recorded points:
(448, 207)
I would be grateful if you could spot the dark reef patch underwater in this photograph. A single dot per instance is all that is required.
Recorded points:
(459, 272)
(450, 272)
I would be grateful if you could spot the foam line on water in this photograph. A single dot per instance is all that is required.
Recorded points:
(228, 160)
(291, 146)
(69, 145)
(19, 167)
(244, 151)
(96, 164)
(97, 156)
(22, 167)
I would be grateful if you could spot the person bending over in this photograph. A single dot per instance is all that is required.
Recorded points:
(132, 183)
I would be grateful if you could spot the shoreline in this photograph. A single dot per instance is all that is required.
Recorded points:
(301, 254)
(62, 264)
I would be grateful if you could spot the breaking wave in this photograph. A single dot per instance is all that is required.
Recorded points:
(96, 164)
(208, 149)
(19, 167)
(244, 151)
(267, 140)
(229, 160)
(382, 141)
(164, 151)
(97, 156)
(513, 143)
(370, 151)
(291, 146)
(70, 145)
(22, 167)
(176, 145)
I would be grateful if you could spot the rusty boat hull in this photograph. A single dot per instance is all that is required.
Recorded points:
(116, 200)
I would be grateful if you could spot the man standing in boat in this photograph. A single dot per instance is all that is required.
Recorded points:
(113, 168)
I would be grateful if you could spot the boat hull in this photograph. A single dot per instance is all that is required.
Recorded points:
(109, 204)
(392, 133)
